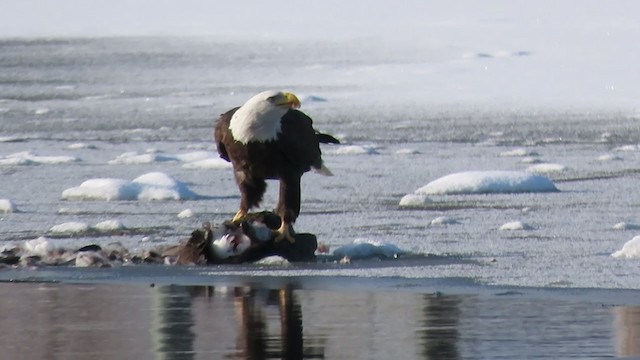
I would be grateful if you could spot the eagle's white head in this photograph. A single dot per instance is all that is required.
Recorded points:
(259, 118)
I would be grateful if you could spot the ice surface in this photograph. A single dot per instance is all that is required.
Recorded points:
(150, 186)
(630, 250)
(485, 182)
(626, 226)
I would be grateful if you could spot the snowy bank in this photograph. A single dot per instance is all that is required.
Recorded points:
(486, 182)
(150, 186)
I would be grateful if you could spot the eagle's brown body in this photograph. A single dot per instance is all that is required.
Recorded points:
(295, 151)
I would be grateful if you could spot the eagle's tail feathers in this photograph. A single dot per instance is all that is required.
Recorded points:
(323, 170)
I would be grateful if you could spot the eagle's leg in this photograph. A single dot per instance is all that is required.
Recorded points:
(288, 207)
(251, 192)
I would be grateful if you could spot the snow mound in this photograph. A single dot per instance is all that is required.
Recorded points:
(150, 186)
(186, 213)
(407, 152)
(7, 206)
(77, 146)
(30, 158)
(353, 150)
(443, 220)
(630, 250)
(70, 228)
(515, 226)
(609, 157)
(531, 160)
(273, 260)
(414, 200)
(546, 168)
(627, 148)
(625, 226)
(518, 152)
(109, 226)
(486, 182)
(368, 249)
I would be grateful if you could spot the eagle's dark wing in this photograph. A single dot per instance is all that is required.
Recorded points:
(221, 133)
(299, 141)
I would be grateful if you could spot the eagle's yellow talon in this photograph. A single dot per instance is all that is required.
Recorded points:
(283, 233)
(239, 216)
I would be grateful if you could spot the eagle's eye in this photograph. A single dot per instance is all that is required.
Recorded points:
(272, 99)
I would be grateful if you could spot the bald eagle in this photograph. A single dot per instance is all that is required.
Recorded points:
(267, 138)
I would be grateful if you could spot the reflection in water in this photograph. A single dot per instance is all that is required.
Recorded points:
(172, 322)
(440, 333)
(57, 321)
(627, 321)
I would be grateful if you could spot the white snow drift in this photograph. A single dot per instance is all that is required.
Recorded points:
(150, 186)
(630, 250)
(485, 182)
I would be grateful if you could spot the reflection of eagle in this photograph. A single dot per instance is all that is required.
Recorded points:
(266, 138)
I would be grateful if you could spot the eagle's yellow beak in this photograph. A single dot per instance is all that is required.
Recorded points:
(288, 99)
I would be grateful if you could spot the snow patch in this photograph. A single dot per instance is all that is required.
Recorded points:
(515, 226)
(414, 200)
(630, 250)
(443, 220)
(626, 226)
(368, 249)
(7, 206)
(486, 182)
(78, 146)
(68, 228)
(109, 226)
(609, 157)
(353, 150)
(214, 163)
(150, 186)
(29, 158)
(546, 168)
(186, 213)
(518, 153)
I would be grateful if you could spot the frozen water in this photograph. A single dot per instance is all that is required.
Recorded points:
(458, 83)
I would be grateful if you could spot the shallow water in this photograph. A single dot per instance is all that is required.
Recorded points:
(247, 321)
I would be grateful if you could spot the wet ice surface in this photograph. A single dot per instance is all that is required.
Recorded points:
(72, 111)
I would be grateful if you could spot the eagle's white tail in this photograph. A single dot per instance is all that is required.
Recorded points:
(323, 170)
